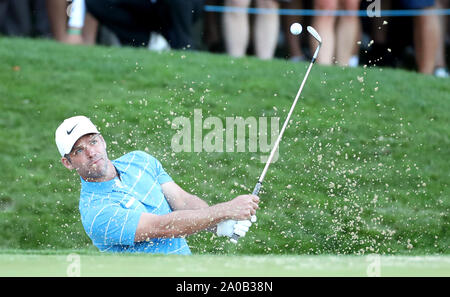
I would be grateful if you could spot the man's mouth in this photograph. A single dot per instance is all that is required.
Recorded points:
(95, 162)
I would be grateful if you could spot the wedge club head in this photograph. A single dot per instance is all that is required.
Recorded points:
(317, 37)
(314, 33)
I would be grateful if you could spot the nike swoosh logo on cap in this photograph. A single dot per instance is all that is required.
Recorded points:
(68, 132)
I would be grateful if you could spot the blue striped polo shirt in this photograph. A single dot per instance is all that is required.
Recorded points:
(110, 211)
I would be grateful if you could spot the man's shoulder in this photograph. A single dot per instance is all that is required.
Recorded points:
(136, 159)
(135, 156)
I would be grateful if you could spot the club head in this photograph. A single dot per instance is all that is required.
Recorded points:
(314, 33)
(317, 37)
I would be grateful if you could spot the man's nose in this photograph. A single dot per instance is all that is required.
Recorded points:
(89, 151)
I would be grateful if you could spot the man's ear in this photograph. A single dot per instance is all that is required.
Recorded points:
(67, 163)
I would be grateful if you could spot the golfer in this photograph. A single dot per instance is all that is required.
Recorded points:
(132, 205)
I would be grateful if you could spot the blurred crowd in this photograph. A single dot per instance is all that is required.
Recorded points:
(418, 42)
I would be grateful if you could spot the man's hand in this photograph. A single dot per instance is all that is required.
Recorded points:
(229, 227)
(242, 207)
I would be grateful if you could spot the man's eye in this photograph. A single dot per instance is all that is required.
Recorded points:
(94, 142)
(78, 151)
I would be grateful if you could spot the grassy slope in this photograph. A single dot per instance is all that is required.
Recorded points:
(363, 167)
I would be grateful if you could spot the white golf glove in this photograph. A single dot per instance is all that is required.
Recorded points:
(241, 227)
(226, 228)
(229, 227)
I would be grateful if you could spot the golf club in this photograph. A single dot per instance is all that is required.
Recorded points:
(258, 185)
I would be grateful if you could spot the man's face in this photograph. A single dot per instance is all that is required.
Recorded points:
(88, 157)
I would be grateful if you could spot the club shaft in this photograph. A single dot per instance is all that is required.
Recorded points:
(277, 142)
(235, 237)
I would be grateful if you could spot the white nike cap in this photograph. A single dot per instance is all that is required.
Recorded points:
(70, 131)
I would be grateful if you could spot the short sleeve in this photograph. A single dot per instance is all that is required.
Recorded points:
(112, 225)
(162, 175)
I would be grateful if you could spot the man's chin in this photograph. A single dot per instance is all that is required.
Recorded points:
(90, 177)
(96, 171)
(94, 174)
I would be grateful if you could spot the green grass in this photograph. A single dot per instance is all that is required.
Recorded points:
(83, 263)
(363, 167)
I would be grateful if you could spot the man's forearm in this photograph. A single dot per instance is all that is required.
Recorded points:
(194, 202)
(197, 203)
(179, 199)
(179, 223)
(185, 222)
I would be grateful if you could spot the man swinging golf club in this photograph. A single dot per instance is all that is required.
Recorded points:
(132, 205)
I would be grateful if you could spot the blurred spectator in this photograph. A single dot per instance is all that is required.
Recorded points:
(441, 65)
(341, 33)
(212, 35)
(380, 55)
(133, 21)
(24, 18)
(292, 42)
(427, 34)
(237, 29)
(182, 15)
(70, 23)
(58, 17)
